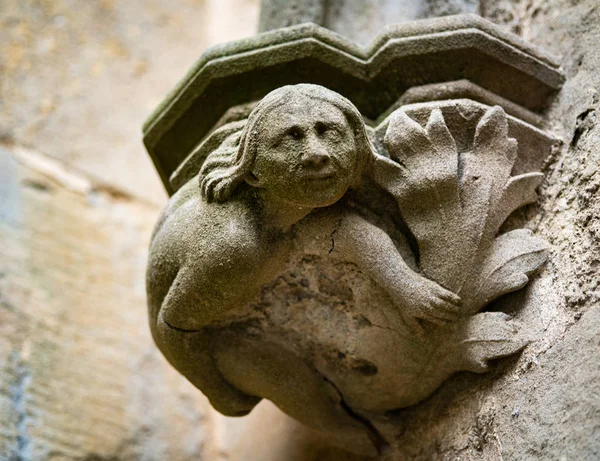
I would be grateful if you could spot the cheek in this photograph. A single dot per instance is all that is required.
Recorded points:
(347, 154)
(271, 163)
(279, 174)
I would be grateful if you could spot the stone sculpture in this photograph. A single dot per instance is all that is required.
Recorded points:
(339, 270)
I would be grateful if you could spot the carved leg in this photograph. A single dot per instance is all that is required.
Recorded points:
(268, 370)
(190, 354)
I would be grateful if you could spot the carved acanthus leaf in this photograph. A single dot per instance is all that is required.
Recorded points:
(488, 336)
(454, 203)
(519, 191)
(507, 265)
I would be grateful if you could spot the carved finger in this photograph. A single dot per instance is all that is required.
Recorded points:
(430, 317)
(451, 298)
(447, 306)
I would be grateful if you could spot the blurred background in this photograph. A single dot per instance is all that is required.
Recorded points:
(80, 77)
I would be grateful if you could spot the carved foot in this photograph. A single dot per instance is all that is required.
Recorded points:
(487, 336)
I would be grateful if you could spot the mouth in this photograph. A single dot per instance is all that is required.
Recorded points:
(321, 175)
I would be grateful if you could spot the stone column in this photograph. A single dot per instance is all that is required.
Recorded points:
(358, 20)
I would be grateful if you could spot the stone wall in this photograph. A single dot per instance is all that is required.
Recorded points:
(80, 378)
(545, 404)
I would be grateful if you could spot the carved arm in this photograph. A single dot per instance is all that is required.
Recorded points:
(354, 239)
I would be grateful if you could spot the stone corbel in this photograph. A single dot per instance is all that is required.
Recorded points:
(338, 217)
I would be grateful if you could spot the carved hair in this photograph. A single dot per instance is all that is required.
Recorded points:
(229, 165)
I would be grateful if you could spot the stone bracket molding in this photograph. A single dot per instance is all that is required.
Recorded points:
(404, 56)
(463, 89)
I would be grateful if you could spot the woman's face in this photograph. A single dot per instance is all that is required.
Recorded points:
(306, 153)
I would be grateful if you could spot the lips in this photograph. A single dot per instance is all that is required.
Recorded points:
(319, 176)
(325, 173)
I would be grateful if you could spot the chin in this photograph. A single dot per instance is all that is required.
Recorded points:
(321, 199)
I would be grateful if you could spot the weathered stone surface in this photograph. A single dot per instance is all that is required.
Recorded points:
(547, 406)
(543, 405)
(79, 375)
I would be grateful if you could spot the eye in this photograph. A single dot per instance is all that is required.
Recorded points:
(321, 128)
(295, 133)
(324, 129)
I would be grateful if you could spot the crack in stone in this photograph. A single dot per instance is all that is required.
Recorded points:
(339, 224)
(582, 125)
(393, 330)
(378, 441)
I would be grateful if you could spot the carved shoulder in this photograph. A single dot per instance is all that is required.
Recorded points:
(190, 228)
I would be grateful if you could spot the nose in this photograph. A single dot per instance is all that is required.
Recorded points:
(316, 157)
(316, 161)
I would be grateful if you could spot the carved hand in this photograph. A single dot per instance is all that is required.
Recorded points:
(421, 298)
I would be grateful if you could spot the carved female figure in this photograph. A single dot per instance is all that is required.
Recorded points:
(229, 232)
